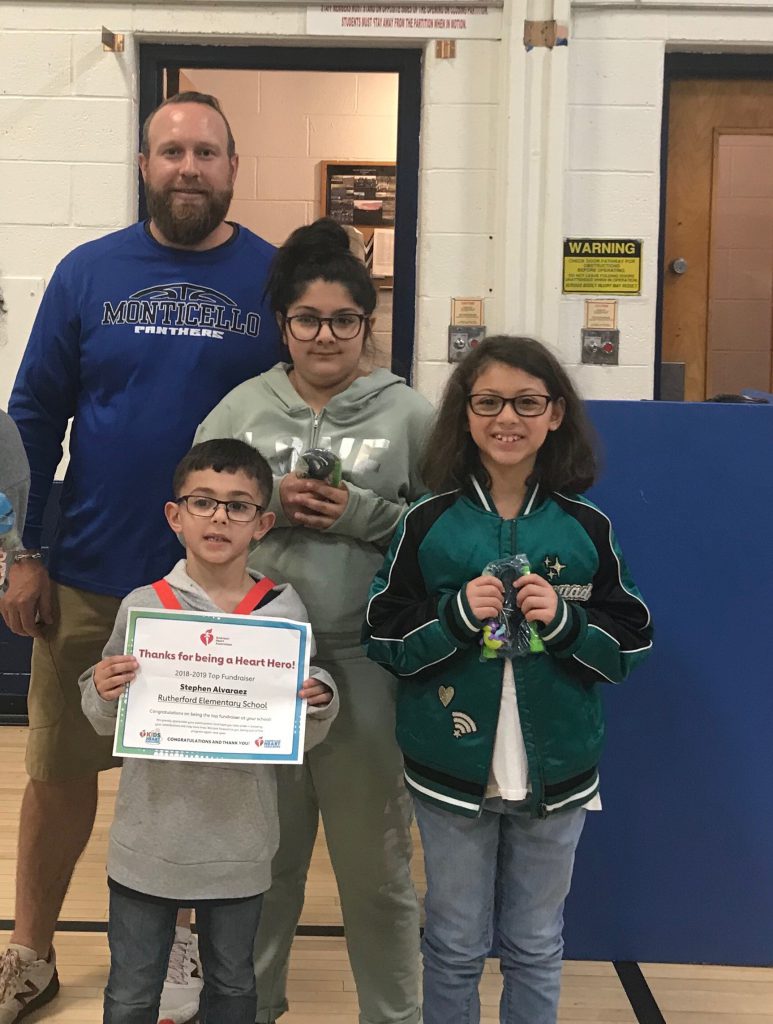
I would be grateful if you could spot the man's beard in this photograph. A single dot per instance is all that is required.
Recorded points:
(187, 224)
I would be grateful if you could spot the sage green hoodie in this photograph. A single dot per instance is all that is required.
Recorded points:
(377, 426)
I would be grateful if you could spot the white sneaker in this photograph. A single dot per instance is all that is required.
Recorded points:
(25, 982)
(183, 985)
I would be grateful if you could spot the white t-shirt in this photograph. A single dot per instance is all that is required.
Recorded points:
(509, 775)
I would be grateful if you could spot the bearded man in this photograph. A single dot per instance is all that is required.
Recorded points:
(138, 336)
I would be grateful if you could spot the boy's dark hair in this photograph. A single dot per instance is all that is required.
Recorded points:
(565, 462)
(226, 455)
(187, 97)
(318, 251)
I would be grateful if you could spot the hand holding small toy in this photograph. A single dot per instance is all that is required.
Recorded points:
(485, 596)
(312, 503)
(538, 602)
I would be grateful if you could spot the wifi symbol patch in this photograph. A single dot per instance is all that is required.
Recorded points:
(463, 724)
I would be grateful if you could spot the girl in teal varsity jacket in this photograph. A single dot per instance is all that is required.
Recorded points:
(509, 745)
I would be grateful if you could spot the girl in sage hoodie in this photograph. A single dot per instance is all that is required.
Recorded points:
(328, 542)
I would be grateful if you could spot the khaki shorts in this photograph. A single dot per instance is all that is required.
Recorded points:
(62, 744)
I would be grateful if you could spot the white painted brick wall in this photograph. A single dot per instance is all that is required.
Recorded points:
(71, 129)
(460, 135)
(34, 193)
(21, 298)
(99, 194)
(33, 250)
(612, 138)
(612, 186)
(457, 195)
(35, 64)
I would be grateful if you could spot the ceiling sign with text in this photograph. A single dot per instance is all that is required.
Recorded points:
(419, 21)
(602, 266)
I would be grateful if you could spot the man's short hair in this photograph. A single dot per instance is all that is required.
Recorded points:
(226, 455)
(187, 97)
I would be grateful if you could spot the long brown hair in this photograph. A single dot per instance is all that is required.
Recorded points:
(565, 462)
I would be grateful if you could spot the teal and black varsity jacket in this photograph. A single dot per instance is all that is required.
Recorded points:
(420, 626)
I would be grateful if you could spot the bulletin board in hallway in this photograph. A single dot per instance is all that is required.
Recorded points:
(362, 194)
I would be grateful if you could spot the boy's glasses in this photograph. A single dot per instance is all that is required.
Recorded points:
(343, 326)
(237, 511)
(524, 405)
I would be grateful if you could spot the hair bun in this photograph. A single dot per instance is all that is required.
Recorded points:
(320, 240)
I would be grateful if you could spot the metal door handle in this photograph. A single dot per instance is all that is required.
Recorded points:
(679, 265)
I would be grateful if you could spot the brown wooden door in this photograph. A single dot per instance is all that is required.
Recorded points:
(714, 313)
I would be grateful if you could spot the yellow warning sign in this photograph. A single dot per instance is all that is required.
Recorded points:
(602, 266)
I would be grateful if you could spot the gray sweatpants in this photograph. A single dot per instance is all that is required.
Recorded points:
(354, 780)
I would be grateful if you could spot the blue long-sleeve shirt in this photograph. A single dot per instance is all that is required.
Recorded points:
(135, 342)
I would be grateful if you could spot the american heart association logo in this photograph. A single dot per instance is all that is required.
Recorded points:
(207, 637)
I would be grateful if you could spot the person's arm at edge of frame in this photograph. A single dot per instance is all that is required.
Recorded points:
(42, 402)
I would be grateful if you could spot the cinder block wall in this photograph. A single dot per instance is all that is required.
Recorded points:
(612, 177)
(68, 141)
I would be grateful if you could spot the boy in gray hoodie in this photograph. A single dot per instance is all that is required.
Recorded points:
(188, 834)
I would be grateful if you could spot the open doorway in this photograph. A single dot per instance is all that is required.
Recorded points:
(716, 322)
(313, 123)
(293, 130)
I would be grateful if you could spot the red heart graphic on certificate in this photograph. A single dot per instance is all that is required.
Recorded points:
(259, 741)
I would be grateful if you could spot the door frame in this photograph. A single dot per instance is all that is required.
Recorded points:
(158, 59)
(679, 66)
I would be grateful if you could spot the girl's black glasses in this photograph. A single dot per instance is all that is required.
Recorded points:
(524, 405)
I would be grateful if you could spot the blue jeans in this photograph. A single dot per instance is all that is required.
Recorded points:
(502, 875)
(141, 934)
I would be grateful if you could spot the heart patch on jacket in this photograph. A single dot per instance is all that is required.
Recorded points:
(446, 694)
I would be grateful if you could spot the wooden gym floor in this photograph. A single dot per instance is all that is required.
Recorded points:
(321, 985)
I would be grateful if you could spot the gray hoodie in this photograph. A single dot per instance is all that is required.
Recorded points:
(377, 426)
(195, 831)
(14, 484)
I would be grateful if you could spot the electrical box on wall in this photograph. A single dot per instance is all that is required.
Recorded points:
(466, 329)
(462, 340)
(600, 347)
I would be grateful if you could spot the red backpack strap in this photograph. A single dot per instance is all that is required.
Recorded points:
(254, 596)
(166, 595)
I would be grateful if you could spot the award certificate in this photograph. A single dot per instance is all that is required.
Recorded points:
(214, 687)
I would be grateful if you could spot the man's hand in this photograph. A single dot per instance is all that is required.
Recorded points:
(485, 596)
(112, 675)
(315, 692)
(312, 503)
(536, 598)
(26, 606)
